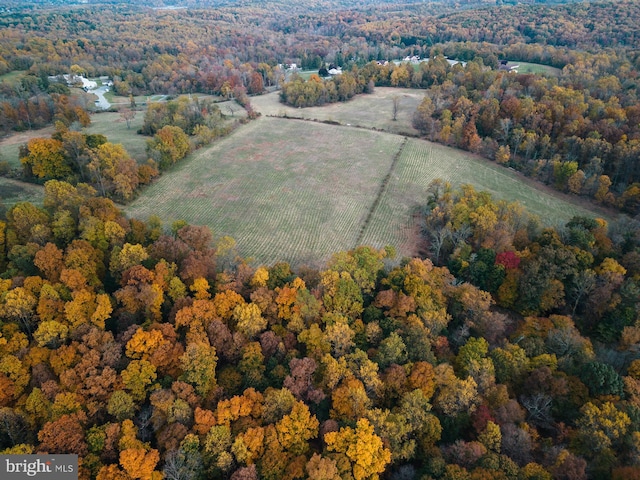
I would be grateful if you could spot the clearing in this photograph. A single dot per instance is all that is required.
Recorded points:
(15, 191)
(283, 189)
(299, 190)
(374, 110)
(537, 68)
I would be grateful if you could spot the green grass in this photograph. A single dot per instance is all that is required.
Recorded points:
(107, 123)
(421, 162)
(300, 191)
(10, 146)
(10, 153)
(13, 191)
(12, 77)
(115, 129)
(526, 67)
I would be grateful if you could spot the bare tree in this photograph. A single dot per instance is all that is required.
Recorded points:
(438, 238)
(539, 408)
(504, 130)
(396, 106)
(231, 108)
(127, 114)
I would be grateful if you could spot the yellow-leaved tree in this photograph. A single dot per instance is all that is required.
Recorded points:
(359, 452)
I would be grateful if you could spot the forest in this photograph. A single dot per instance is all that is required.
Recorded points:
(508, 350)
(152, 352)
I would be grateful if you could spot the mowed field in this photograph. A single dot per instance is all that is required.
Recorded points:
(299, 191)
(283, 189)
(111, 125)
(10, 146)
(369, 111)
(421, 162)
(526, 67)
(14, 191)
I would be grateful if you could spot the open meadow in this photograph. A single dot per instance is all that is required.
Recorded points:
(374, 110)
(111, 125)
(283, 189)
(15, 191)
(537, 68)
(298, 190)
(421, 162)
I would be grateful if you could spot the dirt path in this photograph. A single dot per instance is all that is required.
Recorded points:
(24, 137)
(383, 186)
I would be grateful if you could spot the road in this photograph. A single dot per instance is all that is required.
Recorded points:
(102, 102)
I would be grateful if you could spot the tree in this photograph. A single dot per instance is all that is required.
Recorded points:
(169, 145)
(114, 171)
(602, 379)
(128, 114)
(46, 159)
(395, 107)
(137, 377)
(64, 435)
(453, 395)
(322, 468)
(139, 463)
(601, 427)
(350, 400)
(422, 118)
(249, 319)
(358, 452)
(199, 366)
(296, 429)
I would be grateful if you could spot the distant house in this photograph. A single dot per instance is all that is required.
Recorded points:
(335, 71)
(79, 79)
(504, 66)
(455, 62)
(415, 59)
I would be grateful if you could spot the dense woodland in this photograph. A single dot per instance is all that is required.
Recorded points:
(509, 351)
(153, 351)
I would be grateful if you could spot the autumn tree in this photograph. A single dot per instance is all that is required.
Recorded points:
(358, 452)
(169, 145)
(45, 158)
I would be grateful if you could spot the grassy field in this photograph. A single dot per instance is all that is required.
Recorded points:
(526, 67)
(11, 77)
(115, 129)
(369, 111)
(108, 123)
(284, 189)
(421, 162)
(10, 146)
(13, 191)
(299, 191)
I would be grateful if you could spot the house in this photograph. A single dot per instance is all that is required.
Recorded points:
(335, 71)
(504, 66)
(415, 59)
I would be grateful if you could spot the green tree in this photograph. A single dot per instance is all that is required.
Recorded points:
(199, 367)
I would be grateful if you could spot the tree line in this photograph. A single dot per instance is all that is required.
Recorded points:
(177, 127)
